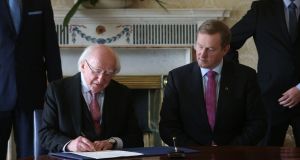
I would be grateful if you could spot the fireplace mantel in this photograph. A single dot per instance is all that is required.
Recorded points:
(137, 16)
(134, 26)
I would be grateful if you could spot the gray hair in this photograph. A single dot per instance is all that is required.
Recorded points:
(87, 52)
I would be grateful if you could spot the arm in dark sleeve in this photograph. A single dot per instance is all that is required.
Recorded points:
(50, 136)
(170, 121)
(241, 31)
(51, 48)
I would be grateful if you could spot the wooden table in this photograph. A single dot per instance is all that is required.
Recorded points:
(222, 153)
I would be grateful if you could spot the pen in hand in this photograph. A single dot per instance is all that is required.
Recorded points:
(82, 134)
(86, 142)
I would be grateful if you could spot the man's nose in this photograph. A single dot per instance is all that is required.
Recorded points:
(203, 52)
(100, 77)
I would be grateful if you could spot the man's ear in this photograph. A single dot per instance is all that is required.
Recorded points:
(81, 66)
(226, 49)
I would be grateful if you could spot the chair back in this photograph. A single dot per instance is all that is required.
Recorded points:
(37, 122)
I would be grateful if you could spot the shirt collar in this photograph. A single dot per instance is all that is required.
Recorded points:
(217, 69)
(287, 3)
(84, 86)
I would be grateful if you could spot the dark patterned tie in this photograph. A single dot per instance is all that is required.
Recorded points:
(95, 112)
(211, 98)
(15, 11)
(292, 21)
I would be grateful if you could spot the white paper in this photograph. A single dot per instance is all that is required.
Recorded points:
(108, 154)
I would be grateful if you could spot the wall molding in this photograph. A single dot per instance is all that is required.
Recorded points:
(137, 16)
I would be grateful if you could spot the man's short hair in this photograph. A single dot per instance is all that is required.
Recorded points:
(216, 26)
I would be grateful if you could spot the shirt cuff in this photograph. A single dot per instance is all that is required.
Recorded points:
(119, 144)
(64, 149)
(298, 86)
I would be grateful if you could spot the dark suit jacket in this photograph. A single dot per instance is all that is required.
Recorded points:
(62, 115)
(27, 58)
(240, 117)
(278, 57)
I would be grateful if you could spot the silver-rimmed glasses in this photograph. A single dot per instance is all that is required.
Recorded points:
(99, 71)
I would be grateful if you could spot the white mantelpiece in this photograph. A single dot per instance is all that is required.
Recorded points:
(137, 16)
(149, 41)
(134, 26)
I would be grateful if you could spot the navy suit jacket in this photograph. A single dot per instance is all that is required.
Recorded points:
(63, 114)
(29, 57)
(240, 117)
(278, 66)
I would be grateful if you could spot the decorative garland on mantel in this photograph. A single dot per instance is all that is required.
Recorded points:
(75, 30)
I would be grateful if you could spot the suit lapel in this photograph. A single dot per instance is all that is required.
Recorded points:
(298, 36)
(226, 82)
(277, 8)
(106, 111)
(23, 13)
(199, 102)
(7, 19)
(75, 102)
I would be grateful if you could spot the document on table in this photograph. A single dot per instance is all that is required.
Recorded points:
(108, 154)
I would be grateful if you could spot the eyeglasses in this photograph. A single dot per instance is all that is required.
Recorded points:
(99, 71)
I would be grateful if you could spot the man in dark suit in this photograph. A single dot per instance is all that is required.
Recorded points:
(29, 56)
(278, 68)
(68, 118)
(233, 115)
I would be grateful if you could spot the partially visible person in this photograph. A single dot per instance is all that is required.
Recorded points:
(212, 101)
(274, 27)
(29, 56)
(69, 122)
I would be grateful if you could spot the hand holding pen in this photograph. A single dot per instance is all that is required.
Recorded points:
(81, 144)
